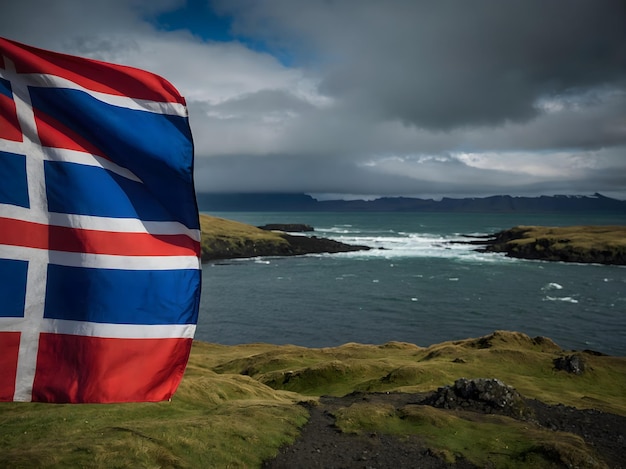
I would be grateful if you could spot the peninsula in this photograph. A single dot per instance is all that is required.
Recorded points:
(228, 239)
(584, 244)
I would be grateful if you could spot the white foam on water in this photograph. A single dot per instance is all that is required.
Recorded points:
(348, 230)
(565, 299)
(336, 230)
(552, 286)
(399, 245)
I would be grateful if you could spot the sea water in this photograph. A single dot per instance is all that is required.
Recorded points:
(415, 285)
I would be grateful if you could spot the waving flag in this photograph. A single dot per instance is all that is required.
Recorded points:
(99, 232)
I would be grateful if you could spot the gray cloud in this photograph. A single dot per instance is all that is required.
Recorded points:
(449, 64)
(401, 97)
(264, 102)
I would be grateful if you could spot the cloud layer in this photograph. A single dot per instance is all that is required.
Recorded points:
(401, 97)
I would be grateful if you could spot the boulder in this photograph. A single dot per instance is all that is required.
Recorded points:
(574, 364)
(487, 395)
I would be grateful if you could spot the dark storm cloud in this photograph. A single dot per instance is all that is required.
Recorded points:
(378, 97)
(446, 64)
(583, 123)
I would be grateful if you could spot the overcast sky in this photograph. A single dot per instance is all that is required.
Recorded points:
(373, 97)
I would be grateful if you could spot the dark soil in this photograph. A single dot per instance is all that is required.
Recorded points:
(322, 445)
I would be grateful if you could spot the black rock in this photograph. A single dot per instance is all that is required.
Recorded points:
(481, 394)
(291, 227)
(571, 363)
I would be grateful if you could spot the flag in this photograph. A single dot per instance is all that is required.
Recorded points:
(99, 232)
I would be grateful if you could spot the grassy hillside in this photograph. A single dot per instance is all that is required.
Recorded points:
(238, 404)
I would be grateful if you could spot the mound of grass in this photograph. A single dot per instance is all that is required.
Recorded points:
(525, 363)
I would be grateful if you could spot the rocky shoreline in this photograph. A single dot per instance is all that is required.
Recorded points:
(581, 244)
(226, 239)
(293, 246)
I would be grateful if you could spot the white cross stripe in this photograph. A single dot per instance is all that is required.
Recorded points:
(37, 264)
(87, 159)
(120, 225)
(52, 81)
(103, 330)
(73, 156)
(100, 261)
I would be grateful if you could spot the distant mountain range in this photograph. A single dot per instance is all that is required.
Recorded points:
(498, 203)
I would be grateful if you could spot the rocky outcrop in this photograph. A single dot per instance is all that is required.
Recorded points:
(299, 245)
(294, 246)
(226, 239)
(571, 363)
(290, 227)
(481, 394)
(583, 244)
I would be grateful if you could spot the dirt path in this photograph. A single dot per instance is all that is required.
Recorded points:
(322, 445)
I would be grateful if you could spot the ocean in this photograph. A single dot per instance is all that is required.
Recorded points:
(418, 288)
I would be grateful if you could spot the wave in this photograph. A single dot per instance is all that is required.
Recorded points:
(566, 299)
(390, 244)
(324, 231)
(348, 229)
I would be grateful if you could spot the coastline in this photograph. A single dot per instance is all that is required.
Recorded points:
(226, 239)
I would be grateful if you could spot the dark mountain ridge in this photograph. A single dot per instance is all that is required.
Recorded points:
(268, 202)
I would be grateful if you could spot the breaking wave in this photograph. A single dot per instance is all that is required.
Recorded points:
(391, 244)
(565, 299)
